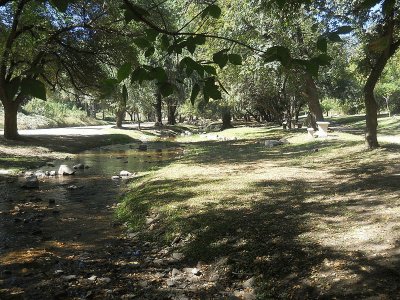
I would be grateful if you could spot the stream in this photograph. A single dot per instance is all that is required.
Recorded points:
(66, 229)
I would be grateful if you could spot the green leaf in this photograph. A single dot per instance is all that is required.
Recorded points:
(211, 90)
(12, 87)
(61, 5)
(166, 89)
(195, 93)
(368, 4)
(281, 3)
(322, 59)
(134, 12)
(322, 44)
(149, 52)
(334, 37)
(142, 43)
(191, 45)
(151, 34)
(221, 58)
(140, 75)
(388, 6)
(235, 59)
(159, 74)
(214, 11)
(34, 88)
(278, 53)
(124, 71)
(164, 42)
(210, 70)
(344, 30)
(199, 39)
(312, 68)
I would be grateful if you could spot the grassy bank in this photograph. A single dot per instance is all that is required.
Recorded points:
(313, 218)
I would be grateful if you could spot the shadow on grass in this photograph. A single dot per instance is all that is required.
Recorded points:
(265, 240)
(250, 151)
(76, 144)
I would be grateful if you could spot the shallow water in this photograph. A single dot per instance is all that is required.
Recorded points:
(67, 214)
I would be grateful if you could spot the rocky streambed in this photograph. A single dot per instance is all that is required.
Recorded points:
(60, 240)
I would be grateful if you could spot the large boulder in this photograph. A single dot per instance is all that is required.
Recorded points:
(30, 182)
(65, 170)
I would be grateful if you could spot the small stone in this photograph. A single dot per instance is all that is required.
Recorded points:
(65, 170)
(116, 177)
(104, 280)
(176, 240)
(79, 167)
(53, 173)
(133, 235)
(31, 182)
(50, 164)
(142, 147)
(249, 283)
(125, 173)
(92, 278)
(214, 278)
(175, 272)
(170, 282)
(58, 272)
(72, 187)
(128, 296)
(196, 272)
(69, 277)
(178, 256)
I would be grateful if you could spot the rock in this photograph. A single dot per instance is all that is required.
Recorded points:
(125, 173)
(104, 280)
(65, 170)
(87, 167)
(214, 278)
(116, 177)
(175, 272)
(178, 256)
(133, 235)
(53, 173)
(196, 272)
(142, 147)
(128, 296)
(79, 167)
(272, 143)
(72, 187)
(40, 174)
(92, 278)
(31, 182)
(170, 282)
(176, 240)
(50, 164)
(58, 272)
(249, 283)
(69, 277)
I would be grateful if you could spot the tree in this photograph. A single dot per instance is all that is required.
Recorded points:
(59, 44)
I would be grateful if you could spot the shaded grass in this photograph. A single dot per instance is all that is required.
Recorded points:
(288, 215)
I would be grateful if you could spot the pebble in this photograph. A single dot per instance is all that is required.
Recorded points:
(69, 277)
(104, 280)
(178, 255)
(170, 282)
(175, 272)
(92, 278)
(58, 272)
(249, 283)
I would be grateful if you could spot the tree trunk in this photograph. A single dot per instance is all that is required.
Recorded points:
(226, 119)
(171, 115)
(371, 118)
(158, 107)
(10, 120)
(120, 118)
(313, 101)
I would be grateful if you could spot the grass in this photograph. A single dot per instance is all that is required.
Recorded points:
(305, 218)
